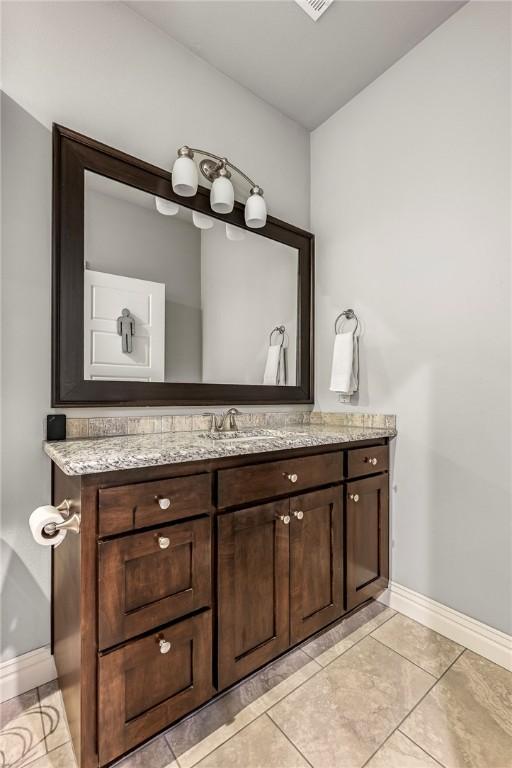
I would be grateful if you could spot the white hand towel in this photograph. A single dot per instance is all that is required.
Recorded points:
(273, 367)
(344, 372)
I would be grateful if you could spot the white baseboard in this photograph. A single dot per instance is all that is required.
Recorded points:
(480, 638)
(26, 672)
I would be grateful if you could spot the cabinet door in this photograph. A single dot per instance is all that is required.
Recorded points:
(316, 561)
(147, 684)
(253, 582)
(367, 533)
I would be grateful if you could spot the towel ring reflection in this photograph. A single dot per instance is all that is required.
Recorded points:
(347, 314)
(278, 329)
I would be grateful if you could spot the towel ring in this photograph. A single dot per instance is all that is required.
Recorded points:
(278, 329)
(347, 314)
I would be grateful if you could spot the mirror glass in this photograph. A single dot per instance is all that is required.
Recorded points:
(168, 300)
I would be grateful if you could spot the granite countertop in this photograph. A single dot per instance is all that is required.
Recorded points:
(105, 454)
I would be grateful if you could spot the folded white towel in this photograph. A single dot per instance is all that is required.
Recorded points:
(275, 367)
(345, 363)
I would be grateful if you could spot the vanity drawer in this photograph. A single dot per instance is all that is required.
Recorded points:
(143, 504)
(149, 683)
(367, 461)
(147, 579)
(263, 481)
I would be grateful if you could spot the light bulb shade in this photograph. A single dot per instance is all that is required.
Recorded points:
(222, 195)
(166, 207)
(234, 233)
(184, 177)
(201, 221)
(255, 211)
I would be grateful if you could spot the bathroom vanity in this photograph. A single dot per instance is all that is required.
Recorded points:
(190, 574)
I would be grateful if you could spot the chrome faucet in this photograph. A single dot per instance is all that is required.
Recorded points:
(225, 423)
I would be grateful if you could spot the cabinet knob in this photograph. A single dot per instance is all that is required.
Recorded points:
(299, 514)
(284, 519)
(371, 460)
(163, 503)
(354, 497)
(163, 542)
(165, 645)
(292, 478)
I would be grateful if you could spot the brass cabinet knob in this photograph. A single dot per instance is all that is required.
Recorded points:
(371, 460)
(163, 542)
(284, 519)
(163, 503)
(299, 514)
(165, 645)
(354, 497)
(292, 478)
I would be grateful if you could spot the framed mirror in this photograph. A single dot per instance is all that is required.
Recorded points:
(157, 300)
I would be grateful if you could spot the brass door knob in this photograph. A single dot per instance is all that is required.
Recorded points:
(163, 542)
(284, 519)
(299, 514)
(354, 497)
(292, 478)
(165, 645)
(163, 503)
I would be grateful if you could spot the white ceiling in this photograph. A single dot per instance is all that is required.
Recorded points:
(306, 69)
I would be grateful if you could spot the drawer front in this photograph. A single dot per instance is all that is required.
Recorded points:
(263, 481)
(149, 683)
(140, 505)
(147, 579)
(367, 461)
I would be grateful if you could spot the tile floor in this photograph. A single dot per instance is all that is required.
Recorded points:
(377, 690)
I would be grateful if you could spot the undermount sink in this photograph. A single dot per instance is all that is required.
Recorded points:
(242, 434)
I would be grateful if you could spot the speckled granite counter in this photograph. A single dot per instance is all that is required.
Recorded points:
(84, 457)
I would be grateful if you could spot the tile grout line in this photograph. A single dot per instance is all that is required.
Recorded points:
(295, 747)
(422, 748)
(407, 659)
(397, 728)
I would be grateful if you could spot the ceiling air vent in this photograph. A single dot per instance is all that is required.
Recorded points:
(314, 8)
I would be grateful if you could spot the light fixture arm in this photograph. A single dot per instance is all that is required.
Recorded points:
(223, 162)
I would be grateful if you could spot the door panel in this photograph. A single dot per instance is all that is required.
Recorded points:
(367, 524)
(316, 561)
(253, 584)
(149, 683)
(147, 579)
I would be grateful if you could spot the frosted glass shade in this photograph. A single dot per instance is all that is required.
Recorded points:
(255, 211)
(166, 207)
(234, 233)
(222, 195)
(184, 176)
(201, 221)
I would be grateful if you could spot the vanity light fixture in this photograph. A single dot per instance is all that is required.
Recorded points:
(166, 207)
(234, 233)
(201, 221)
(222, 196)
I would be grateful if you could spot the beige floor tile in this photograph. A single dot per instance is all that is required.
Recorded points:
(429, 650)
(156, 754)
(400, 752)
(55, 726)
(466, 719)
(260, 745)
(21, 730)
(344, 713)
(367, 628)
(200, 734)
(62, 757)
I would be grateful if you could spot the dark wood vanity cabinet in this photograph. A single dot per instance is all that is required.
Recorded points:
(186, 578)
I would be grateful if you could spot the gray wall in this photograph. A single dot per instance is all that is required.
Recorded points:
(125, 238)
(102, 70)
(411, 208)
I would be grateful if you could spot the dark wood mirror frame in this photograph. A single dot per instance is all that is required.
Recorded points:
(73, 154)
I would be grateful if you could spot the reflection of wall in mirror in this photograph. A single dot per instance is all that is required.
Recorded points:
(248, 287)
(133, 240)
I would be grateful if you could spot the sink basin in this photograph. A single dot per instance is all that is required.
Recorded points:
(242, 434)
